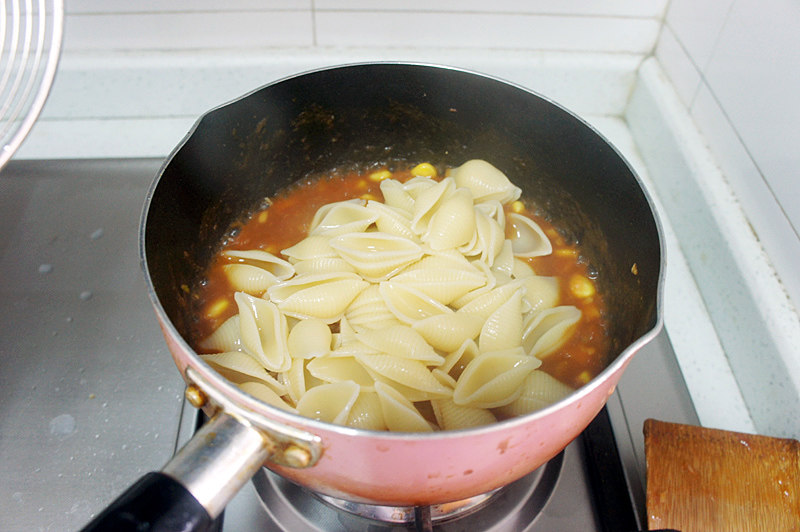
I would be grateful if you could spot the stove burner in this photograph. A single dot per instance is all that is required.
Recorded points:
(512, 507)
(410, 514)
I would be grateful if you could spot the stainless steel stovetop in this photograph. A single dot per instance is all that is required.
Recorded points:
(91, 399)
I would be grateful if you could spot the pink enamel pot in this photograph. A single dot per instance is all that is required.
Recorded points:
(241, 153)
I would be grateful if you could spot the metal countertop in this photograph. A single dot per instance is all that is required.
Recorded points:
(89, 395)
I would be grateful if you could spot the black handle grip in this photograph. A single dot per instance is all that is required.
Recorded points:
(155, 503)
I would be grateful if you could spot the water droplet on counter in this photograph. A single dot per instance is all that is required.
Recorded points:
(124, 446)
(96, 234)
(62, 425)
(86, 295)
(69, 319)
(45, 268)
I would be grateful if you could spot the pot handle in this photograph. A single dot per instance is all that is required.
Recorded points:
(193, 488)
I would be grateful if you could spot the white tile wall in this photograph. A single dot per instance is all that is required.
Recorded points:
(577, 25)
(735, 65)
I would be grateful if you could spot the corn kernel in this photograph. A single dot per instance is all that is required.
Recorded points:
(217, 308)
(262, 217)
(635, 269)
(584, 377)
(566, 252)
(380, 175)
(580, 286)
(517, 207)
(424, 170)
(368, 197)
(185, 288)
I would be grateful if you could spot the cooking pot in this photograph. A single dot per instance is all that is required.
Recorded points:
(239, 154)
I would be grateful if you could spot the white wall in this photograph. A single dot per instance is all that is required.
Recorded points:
(736, 67)
(134, 76)
(572, 25)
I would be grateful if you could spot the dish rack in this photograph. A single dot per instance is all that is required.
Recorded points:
(31, 32)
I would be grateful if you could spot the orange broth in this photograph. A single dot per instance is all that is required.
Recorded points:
(286, 221)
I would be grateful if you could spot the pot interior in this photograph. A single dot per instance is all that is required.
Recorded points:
(344, 117)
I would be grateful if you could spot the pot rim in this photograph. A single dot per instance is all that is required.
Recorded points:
(249, 403)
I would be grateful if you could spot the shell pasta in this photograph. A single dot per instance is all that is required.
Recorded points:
(417, 303)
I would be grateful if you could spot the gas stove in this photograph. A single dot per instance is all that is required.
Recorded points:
(81, 339)
(596, 483)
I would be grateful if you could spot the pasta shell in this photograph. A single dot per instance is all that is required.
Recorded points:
(446, 332)
(451, 416)
(247, 278)
(342, 217)
(541, 292)
(503, 327)
(527, 238)
(441, 284)
(311, 247)
(504, 261)
(490, 238)
(329, 402)
(411, 373)
(376, 256)
(417, 185)
(494, 210)
(227, 337)
(309, 338)
(346, 335)
(399, 413)
(277, 267)
(396, 196)
(264, 331)
(455, 362)
(446, 259)
(369, 311)
(352, 349)
(472, 295)
(392, 221)
(486, 182)
(323, 265)
(322, 296)
(401, 341)
(412, 394)
(538, 391)
(338, 369)
(522, 269)
(408, 304)
(485, 304)
(444, 378)
(549, 329)
(265, 394)
(240, 367)
(453, 223)
(367, 412)
(493, 379)
(428, 202)
(295, 379)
